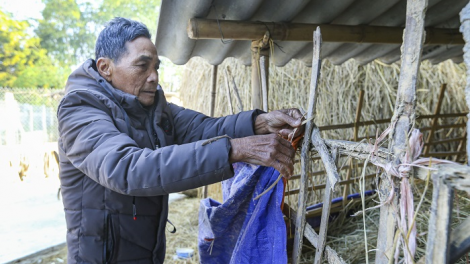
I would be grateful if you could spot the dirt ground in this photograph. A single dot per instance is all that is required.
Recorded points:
(182, 213)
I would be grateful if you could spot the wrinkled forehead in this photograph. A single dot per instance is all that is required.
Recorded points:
(141, 49)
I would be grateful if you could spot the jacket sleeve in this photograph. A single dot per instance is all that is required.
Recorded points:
(192, 126)
(95, 146)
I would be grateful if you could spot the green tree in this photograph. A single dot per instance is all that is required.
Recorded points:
(69, 29)
(21, 57)
(65, 31)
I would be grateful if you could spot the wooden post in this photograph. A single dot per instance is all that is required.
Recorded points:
(403, 118)
(465, 29)
(300, 219)
(434, 121)
(437, 245)
(259, 48)
(213, 88)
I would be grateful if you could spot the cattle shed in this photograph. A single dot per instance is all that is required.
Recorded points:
(377, 139)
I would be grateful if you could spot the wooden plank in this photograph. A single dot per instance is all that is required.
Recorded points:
(250, 30)
(459, 241)
(325, 213)
(437, 245)
(403, 117)
(437, 110)
(300, 219)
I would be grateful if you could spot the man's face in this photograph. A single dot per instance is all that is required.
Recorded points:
(136, 71)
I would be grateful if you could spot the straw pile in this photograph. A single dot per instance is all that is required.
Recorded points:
(337, 102)
(338, 95)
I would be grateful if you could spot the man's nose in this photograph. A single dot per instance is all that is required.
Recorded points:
(153, 77)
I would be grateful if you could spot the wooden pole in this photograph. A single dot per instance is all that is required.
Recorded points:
(403, 118)
(300, 219)
(249, 30)
(465, 29)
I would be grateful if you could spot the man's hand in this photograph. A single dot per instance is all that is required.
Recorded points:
(281, 122)
(266, 150)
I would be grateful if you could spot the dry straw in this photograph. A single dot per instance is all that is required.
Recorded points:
(339, 89)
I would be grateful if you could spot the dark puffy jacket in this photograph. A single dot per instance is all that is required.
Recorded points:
(119, 161)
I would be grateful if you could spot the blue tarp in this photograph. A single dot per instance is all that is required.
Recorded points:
(244, 230)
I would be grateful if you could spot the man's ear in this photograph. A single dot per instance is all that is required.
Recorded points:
(105, 68)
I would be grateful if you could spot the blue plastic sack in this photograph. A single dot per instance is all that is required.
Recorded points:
(244, 230)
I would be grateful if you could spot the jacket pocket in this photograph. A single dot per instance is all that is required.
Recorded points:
(111, 236)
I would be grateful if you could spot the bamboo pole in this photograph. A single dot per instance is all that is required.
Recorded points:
(213, 89)
(434, 123)
(263, 65)
(403, 118)
(249, 30)
(300, 219)
(465, 29)
(259, 48)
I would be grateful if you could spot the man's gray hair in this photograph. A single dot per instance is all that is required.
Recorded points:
(111, 42)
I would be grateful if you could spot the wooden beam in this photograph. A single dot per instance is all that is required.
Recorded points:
(305, 161)
(249, 30)
(403, 118)
(465, 29)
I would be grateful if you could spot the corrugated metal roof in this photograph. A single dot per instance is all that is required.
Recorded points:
(174, 43)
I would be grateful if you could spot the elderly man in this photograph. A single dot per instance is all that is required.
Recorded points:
(123, 149)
